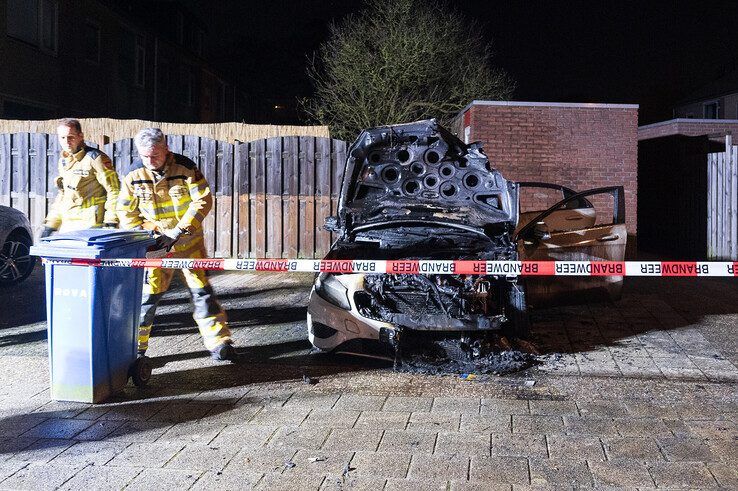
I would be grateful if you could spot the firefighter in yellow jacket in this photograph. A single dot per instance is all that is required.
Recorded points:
(166, 193)
(88, 185)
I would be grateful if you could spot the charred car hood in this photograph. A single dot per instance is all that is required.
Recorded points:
(401, 239)
(419, 172)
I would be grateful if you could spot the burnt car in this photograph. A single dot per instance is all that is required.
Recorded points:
(416, 192)
(15, 241)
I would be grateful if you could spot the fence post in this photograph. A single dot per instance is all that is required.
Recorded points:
(101, 141)
(731, 165)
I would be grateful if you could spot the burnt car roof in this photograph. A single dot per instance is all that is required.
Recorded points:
(420, 172)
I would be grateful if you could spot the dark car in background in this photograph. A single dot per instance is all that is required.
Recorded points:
(16, 238)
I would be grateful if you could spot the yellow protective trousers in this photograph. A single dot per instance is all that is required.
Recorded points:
(209, 315)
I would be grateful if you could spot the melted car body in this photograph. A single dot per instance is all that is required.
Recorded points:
(414, 191)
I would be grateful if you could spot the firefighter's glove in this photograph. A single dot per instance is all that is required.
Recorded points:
(47, 231)
(167, 238)
(110, 225)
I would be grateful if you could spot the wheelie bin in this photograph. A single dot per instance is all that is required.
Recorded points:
(93, 314)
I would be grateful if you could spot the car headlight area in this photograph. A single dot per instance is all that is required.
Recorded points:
(331, 290)
(333, 318)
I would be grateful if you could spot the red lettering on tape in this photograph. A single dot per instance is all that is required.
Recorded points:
(146, 263)
(470, 267)
(608, 268)
(85, 262)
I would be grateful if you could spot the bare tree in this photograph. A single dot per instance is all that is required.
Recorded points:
(399, 61)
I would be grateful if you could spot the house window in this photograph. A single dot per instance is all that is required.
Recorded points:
(197, 41)
(19, 110)
(126, 54)
(192, 88)
(140, 61)
(90, 42)
(180, 28)
(186, 86)
(48, 24)
(22, 20)
(710, 110)
(34, 22)
(132, 59)
(222, 105)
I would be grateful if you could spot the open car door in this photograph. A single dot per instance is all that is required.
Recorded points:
(602, 238)
(537, 197)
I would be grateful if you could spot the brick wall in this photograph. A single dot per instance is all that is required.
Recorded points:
(582, 146)
(689, 127)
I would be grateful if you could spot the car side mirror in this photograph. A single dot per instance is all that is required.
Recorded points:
(331, 224)
(540, 231)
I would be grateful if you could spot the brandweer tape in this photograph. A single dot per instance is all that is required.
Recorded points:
(510, 268)
(594, 268)
(573, 268)
(437, 267)
(192, 263)
(403, 267)
(607, 268)
(684, 269)
(346, 266)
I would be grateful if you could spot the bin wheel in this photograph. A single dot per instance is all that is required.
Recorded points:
(141, 371)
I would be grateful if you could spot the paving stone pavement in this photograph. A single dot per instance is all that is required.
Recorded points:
(635, 394)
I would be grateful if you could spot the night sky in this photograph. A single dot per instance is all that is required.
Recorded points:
(652, 53)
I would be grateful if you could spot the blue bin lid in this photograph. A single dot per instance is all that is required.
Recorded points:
(90, 243)
(97, 238)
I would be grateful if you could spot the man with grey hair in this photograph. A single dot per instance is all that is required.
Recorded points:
(166, 193)
(88, 184)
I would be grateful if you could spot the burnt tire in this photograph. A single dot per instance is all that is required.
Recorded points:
(518, 324)
(16, 263)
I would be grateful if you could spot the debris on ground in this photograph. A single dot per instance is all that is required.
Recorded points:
(446, 355)
(527, 346)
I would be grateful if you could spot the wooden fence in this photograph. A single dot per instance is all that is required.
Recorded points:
(722, 203)
(271, 195)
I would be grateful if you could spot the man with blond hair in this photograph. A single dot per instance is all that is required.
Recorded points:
(88, 184)
(166, 193)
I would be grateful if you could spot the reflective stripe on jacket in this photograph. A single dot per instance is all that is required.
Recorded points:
(88, 191)
(179, 198)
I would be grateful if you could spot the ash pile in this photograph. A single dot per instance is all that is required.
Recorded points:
(443, 354)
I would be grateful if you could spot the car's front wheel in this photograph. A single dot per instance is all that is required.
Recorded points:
(16, 262)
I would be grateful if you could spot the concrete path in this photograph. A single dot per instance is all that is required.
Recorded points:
(640, 393)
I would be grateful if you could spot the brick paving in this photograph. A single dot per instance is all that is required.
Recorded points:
(636, 394)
